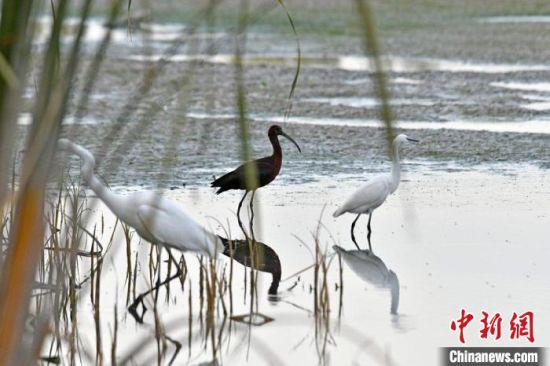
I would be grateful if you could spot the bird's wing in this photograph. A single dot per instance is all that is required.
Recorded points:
(371, 195)
(169, 225)
(265, 170)
(236, 178)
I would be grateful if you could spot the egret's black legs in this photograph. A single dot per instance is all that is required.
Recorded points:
(132, 309)
(239, 211)
(139, 300)
(369, 232)
(353, 228)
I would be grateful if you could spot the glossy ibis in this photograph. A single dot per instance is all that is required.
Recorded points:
(154, 217)
(373, 193)
(266, 170)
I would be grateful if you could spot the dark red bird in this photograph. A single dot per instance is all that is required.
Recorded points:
(266, 169)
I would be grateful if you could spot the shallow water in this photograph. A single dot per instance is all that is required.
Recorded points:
(352, 63)
(95, 31)
(358, 102)
(517, 19)
(538, 87)
(440, 99)
(538, 127)
(449, 237)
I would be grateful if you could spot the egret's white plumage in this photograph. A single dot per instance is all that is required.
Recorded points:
(373, 193)
(373, 270)
(154, 217)
(368, 197)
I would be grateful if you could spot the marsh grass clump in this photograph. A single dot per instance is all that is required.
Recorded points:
(71, 263)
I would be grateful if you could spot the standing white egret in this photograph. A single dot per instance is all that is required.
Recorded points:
(373, 270)
(373, 193)
(155, 218)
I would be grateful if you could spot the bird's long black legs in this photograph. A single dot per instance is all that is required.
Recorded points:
(239, 211)
(369, 232)
(352, 234)
(132, 309)
(139, 300)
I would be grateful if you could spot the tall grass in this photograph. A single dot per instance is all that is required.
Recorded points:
(27, 228)
(372, 48)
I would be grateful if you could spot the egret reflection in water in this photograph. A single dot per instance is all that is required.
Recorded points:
(372, 269)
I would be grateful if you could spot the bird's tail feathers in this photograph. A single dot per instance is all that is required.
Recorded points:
(226, 246)
(220, 182)
(338, 212)
(222, 189)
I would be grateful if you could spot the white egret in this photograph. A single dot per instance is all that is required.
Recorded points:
(155, 218)
(373, 270)
(373, 193)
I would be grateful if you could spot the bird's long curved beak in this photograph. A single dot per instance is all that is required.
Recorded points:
(291, 139)
(412, 140)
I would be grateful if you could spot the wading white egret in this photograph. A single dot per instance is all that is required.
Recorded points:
(373, 270)
(373, 193)
(154, 217)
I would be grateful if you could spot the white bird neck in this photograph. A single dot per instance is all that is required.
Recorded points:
(396, 168)
(87, 172)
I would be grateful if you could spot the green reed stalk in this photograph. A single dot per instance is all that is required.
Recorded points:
(370, 43)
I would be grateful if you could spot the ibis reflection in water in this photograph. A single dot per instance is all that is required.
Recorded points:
(373, 193)
(372, 269)
(265, 169)
(257, 255)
